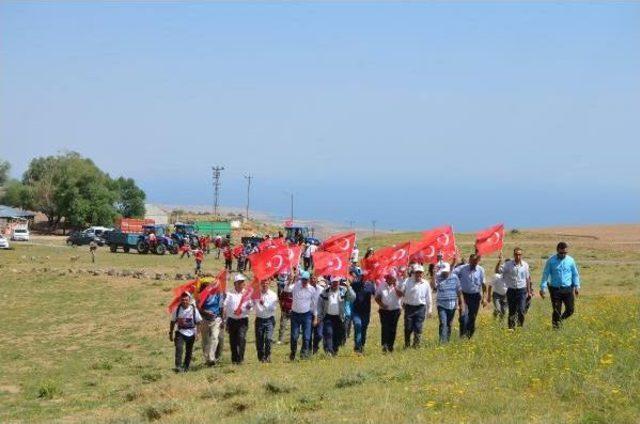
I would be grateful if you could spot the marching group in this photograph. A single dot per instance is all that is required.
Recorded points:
(327, 310)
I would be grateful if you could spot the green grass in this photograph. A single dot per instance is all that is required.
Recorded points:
(79, 348)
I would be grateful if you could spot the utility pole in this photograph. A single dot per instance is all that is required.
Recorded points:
(248, 178)
(351, 222)
(291, 207)
(374, 227)
(216, 187)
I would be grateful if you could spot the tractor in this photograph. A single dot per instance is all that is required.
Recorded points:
(162, 244)
(185, 233)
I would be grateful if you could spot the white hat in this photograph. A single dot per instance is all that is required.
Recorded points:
(443, 267)
(336, 279)
(239, 277)
(418, 268)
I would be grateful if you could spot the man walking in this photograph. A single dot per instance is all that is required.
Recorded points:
(471, 278)
(448, 297)
(331, 304)
(361, 310)
(303, 314)
(561, 276)
(212, 327)
(388, 297)
(516, 276)
(265, 308)
(236, 311)
(285, 298)
(416, 294)
(185, 317)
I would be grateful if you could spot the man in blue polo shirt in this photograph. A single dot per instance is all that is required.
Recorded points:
(471, 278)
(561, 276)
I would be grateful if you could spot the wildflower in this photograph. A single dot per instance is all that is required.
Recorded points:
(431, 404)
(607, 359)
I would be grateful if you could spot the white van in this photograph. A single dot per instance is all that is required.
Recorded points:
(20, 234)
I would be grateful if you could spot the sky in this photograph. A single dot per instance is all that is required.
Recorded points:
(410, 114)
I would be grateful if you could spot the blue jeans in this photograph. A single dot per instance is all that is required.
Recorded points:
(301, 322)
(414, 316)
(445, 316)
(517, 300)
(333, 327)
(316, 337)
(360, 325)
(264, 333)
(468, 319)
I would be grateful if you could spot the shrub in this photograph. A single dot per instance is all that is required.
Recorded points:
(155, 412)
(48, 390)
(275, 388)
(350, 380)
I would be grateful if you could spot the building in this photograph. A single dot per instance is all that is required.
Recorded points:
(13, 217)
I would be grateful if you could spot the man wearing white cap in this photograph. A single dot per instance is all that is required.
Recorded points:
(416, 294)
(185, 318)
(331, 312)
(236, 310)
(303, 314)
(388, 297)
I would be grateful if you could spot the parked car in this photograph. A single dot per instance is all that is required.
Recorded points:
(4, 243)
(81, 238)
(20, 234)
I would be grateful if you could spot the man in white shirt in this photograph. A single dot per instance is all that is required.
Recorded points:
(497, 294)
(331, 312)
(185, 317)
(517, 278)
(389, 299)
(416, 294)
(307, 256)
(303, 314)
(317, 332)
(265, 309)
(236, 310)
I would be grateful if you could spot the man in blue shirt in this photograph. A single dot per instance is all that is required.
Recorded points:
(561, 276)
(361, 310)
(471, 278)
(212, 327)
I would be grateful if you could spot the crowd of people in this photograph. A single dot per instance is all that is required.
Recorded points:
(328, 310)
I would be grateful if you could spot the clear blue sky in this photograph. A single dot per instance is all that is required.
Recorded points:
(411, 114)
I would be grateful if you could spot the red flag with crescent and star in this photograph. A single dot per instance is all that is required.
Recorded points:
(339, 243)
(423, 251)
(293, 258)
(490, 240)
(267, 263)
(190, 286)
(331, 264)
(251, 292)
(444, 239)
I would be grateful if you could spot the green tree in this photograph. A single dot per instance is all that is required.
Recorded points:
(130, 200)
(4, 172)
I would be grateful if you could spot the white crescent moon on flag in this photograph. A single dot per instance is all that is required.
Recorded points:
(446, 237)
(402, 253)
(280, 261)
(339, 266)
(346, 245)
(432, 251)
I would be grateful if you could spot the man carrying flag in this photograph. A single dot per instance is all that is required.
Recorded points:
(474, 289)
(210, 304)
(185, 317)
(236, 311)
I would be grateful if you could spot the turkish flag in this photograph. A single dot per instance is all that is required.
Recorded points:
(293, 258)
(375, 266)
(423, 251)
(272, 243)
(265, 264)
(399, 256)
(237, 251)
(219, 285)
(339, 243)
(444, 239)
(189, 286)
(490, 240)
(251, 292)
(332, 264)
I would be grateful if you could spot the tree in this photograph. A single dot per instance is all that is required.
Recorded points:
(4, 172)
(71, 189)
(130, 201)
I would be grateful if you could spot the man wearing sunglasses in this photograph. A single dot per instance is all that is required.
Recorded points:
(561, 275)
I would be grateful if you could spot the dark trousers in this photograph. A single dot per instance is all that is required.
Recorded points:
(414, 316)
(228, 264)
(445, 317)
(347, 329)
(316, 337)
(333, 327)
(264, 332)
(301, 323)
(561, 296)
(237, 338)
(499, 304)
(360, 326)
(198, 267)
(517, 300)
(180, 341)
(468, 319)
(389, 324)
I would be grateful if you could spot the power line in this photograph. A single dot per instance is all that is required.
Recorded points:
(248, 177)
(216, 187)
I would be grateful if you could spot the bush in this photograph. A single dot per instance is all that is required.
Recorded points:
(275, 388)
(351, 380)
(48, 390)
(155, 412)
(151, 377)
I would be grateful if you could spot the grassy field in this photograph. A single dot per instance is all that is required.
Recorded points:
(81, 348)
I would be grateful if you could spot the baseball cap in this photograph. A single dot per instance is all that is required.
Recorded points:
(304, 275)
(443, 267)
(239, 277)
(418, 268)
